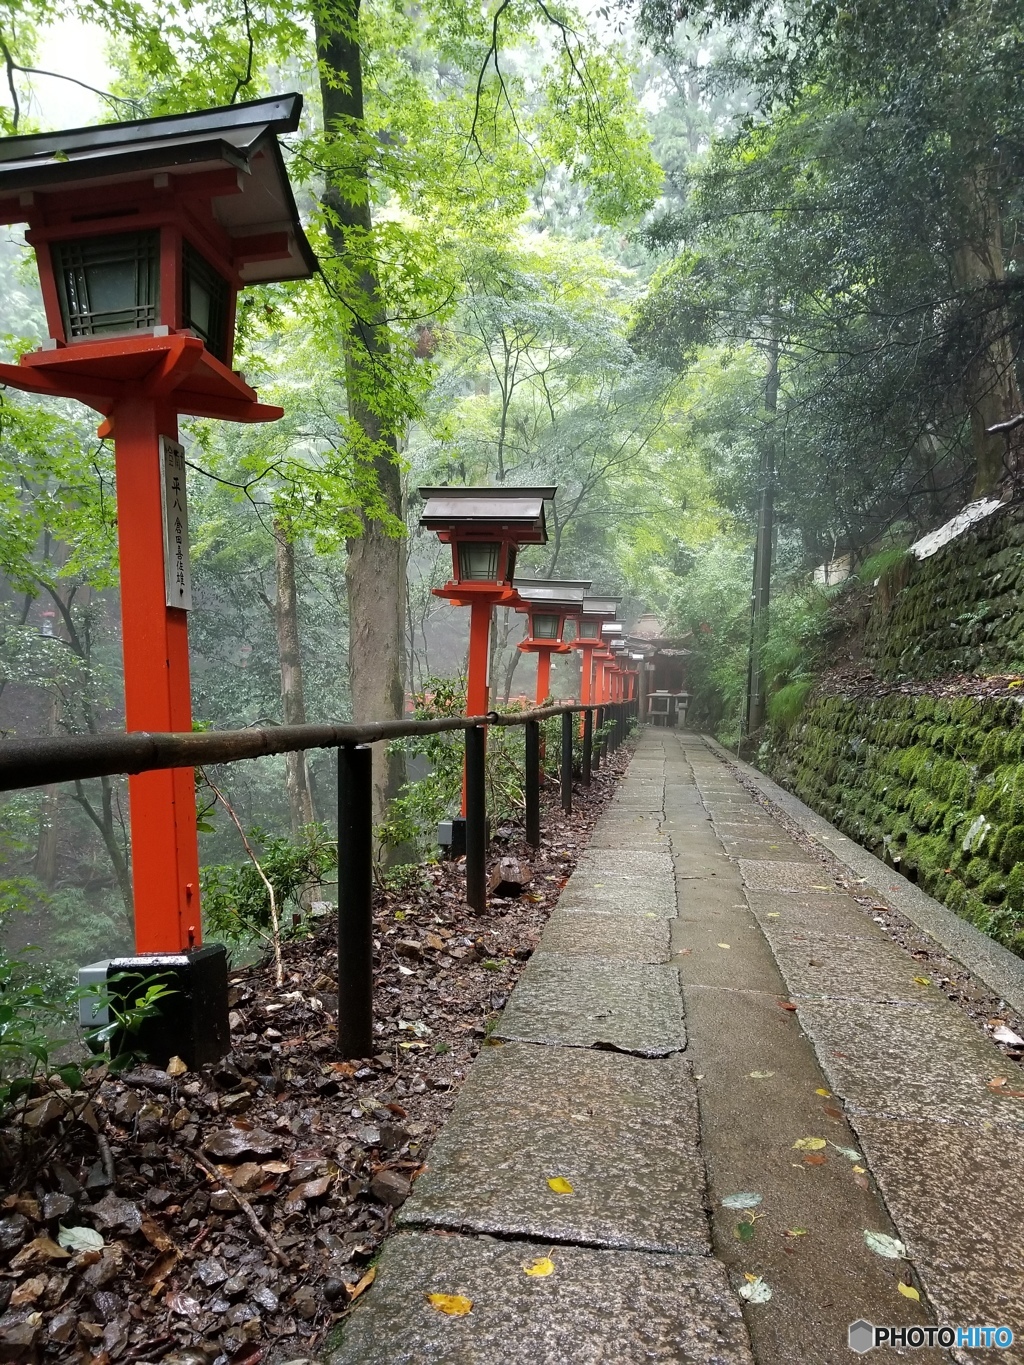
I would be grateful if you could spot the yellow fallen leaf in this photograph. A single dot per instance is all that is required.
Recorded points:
(858, 1170)
(795, 1232)
(908, 1291)
(723, 945)
(809, 1144)
(923, 980)
(176, 1067)
(761, 1075)
(455, 1305)
(772, 914)
(560, 1185)
(826, 1093)
(354, 1290)
(543, 1265)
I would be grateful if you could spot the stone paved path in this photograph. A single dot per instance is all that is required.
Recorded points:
(647, 1059)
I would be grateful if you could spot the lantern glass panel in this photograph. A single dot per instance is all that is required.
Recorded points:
(204, 304)
(478, 560)
(591, 628)
(108, 284)
(544, 625)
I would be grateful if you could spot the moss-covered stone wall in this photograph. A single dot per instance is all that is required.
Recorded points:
(934, 786)
(961, 610)
(918, 763)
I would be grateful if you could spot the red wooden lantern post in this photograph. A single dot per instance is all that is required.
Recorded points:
(596, 610)
(610, 632)
(551, 605)
(484, 527)
(144, 232)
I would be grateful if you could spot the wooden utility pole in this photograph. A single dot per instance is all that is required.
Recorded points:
(760, 596)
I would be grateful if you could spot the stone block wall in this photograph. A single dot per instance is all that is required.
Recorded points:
(919, 763)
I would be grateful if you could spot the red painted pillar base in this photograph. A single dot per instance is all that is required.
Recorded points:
(477, 690)
(165, 854)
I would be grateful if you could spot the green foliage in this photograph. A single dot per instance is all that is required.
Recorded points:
(36, 1010)
(235, 900)
(785, 705)
(880, 565)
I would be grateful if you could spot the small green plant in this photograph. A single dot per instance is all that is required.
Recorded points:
(236, 900)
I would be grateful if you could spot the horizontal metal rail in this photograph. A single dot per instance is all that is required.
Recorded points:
(69, 758)
(39, 762)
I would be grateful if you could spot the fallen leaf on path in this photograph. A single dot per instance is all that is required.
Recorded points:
(761, 1075)
(745, 1230)
(354, 1290)
(745, 1200)
(832, 1112)
(997, 1083)
(724, 945)
(884, 1245)
(908, 1291)
(827, 1093)
(814, 1160)
(80, 1239)
(772, 914)
(786, 1004)
(454, 1305)
(923, 980)
(543, 1265)
(560, 1185)
(850, 1153)
(795, 1232)
(862, 1181)
(859, 1170)
(1007, 1035)
(176, 1067)
(809, 1144)
(755, 1290)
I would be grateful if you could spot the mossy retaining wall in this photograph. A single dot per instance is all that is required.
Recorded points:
(932, 782)
(959, 611)
(934, 786)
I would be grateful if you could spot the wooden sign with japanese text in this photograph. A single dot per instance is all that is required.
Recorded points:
(177, 577)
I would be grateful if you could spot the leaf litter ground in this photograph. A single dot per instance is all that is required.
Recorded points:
(232, 1215)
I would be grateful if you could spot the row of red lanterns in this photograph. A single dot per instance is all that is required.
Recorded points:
(485, 528)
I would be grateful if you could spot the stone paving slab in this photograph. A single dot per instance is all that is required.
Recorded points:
(640, 865)
(655, 899)
(575, 1001)
(959, 1208)
(778, 850)
(925, 1062)
(839, 966)
(595, 1308)
(623, 1131)
(761, 874)
(630, 938)
(814, 910)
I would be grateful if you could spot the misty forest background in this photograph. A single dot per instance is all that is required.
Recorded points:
(666, 256)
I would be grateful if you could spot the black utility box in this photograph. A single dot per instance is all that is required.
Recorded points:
(192, 1022)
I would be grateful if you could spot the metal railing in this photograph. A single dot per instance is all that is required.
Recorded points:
(40, 762)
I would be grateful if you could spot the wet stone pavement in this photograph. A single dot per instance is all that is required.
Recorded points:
(691, 1162)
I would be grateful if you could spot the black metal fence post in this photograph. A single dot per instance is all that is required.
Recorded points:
(355, 900)
(567, 762)
(533, 783)
(588, 746)
(602, 744)
(476, 818)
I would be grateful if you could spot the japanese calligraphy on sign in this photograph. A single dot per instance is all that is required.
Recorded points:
(177, 578)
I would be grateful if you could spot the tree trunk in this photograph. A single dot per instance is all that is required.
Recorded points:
(375, 573)
(760, 597)
(990, 383)
(293, 701)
